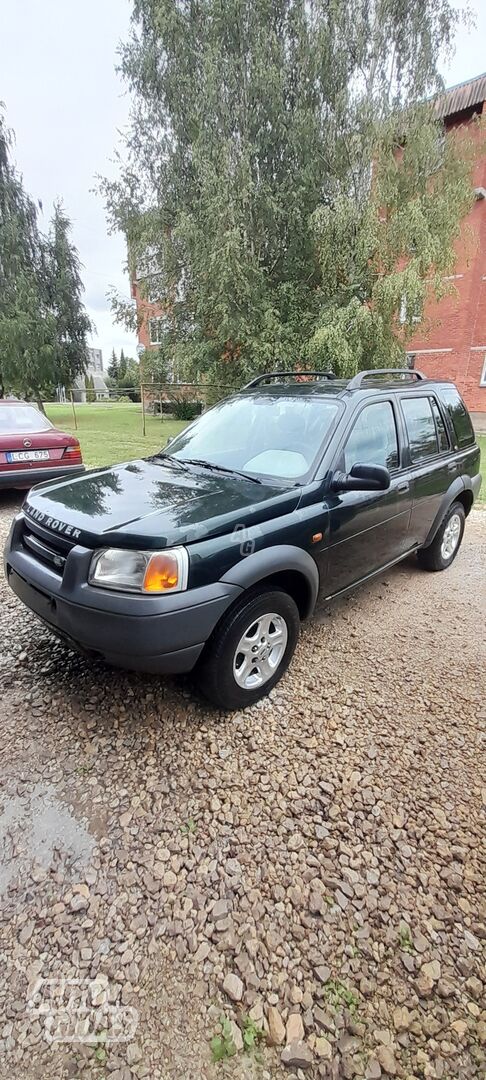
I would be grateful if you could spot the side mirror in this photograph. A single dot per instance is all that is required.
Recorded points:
(170, 438)
(362, 478)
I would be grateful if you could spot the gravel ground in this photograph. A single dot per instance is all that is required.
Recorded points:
(311, 867)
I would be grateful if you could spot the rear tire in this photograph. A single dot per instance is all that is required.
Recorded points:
(447, 540)
(250, 649)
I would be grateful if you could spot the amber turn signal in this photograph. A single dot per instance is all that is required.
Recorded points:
(162, 573)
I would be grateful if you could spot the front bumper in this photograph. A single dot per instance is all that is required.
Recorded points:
(163, 634)
(27, 478)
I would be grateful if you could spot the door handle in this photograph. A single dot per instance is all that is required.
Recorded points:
(403, 487)
(452, 466)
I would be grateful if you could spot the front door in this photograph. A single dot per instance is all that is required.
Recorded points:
(369, 529)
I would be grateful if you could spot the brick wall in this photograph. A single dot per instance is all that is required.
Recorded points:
(451, 343)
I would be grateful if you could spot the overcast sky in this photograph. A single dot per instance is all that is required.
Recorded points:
(66, 103)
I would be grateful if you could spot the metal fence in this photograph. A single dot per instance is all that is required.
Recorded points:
(161, 396)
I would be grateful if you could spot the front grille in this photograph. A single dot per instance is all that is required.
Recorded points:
(46, 548)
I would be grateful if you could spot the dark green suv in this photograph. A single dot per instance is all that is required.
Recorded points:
(209, 554)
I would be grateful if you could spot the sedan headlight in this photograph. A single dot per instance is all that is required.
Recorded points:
(140, 571)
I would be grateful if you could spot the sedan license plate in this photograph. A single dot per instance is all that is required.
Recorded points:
(27, 455)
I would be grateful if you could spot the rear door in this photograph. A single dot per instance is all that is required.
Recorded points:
(369, 529)
(432, 462)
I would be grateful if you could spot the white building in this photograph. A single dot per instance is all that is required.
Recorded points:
(94, 370)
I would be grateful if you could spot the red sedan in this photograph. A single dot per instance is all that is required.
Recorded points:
(32, 449)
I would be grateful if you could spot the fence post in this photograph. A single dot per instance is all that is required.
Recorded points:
(71, 395)
(142, 387)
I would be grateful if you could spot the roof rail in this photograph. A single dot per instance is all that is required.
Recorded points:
(357, 381)
(286, 375)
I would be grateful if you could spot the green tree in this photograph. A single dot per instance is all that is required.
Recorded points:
(381, 256)
(27, 325)
(256, 129)
(130, 379)
(155, 368)
(65, 290)
(113, 366)
(122, 366)
(43, 324)
(90, 388)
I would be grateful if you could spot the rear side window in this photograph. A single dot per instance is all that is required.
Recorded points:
(440, 426)
(459, 415)
(420, 424)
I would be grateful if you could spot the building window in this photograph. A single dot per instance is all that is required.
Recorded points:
(158, 329)
(154, 290)
(410, 314)
(482, 381)
(150, 263)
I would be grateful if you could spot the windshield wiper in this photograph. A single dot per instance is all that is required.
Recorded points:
(221, 468)
(167, 459)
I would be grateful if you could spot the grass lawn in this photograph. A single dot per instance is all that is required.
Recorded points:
(482, 446)
(112, 433)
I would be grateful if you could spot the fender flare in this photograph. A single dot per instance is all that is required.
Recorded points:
(458, 486)
(275, 560)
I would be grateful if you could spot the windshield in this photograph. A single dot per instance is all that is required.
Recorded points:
(20, 419)
(260, 434)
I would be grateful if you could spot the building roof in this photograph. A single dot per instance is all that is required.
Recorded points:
(463, 96)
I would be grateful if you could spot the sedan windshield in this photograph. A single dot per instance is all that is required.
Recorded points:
(260, 435)
(22, 419)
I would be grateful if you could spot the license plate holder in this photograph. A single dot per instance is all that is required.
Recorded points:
(15, 456)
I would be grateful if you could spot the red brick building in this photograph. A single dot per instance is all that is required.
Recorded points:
(452, 342)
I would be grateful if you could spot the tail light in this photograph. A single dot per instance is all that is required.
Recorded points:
(73, 454)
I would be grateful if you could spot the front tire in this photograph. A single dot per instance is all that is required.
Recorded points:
(447, 540)
(250, 649)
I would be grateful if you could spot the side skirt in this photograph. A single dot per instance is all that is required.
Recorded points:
(375, 573)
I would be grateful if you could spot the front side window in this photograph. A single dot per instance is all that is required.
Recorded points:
(373, 440)
(22, 420)
(420, 424)
(261, 434)
(459, 415)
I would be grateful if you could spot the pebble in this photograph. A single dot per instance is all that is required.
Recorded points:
(276, 1027)
(324, 879)
(233, 987)
(297, 1055)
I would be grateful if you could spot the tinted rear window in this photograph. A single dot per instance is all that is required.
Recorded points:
(459, 415)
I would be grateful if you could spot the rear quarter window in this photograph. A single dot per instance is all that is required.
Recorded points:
(459, 415)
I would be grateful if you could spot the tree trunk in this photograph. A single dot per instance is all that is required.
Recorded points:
(40, 404)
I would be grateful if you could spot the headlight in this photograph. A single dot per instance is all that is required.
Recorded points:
(140, 571)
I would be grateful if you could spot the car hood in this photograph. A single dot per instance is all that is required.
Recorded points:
(143, 503)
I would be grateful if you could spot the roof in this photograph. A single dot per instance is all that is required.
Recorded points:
(321, 388)
(98, 382)
(463, 96)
